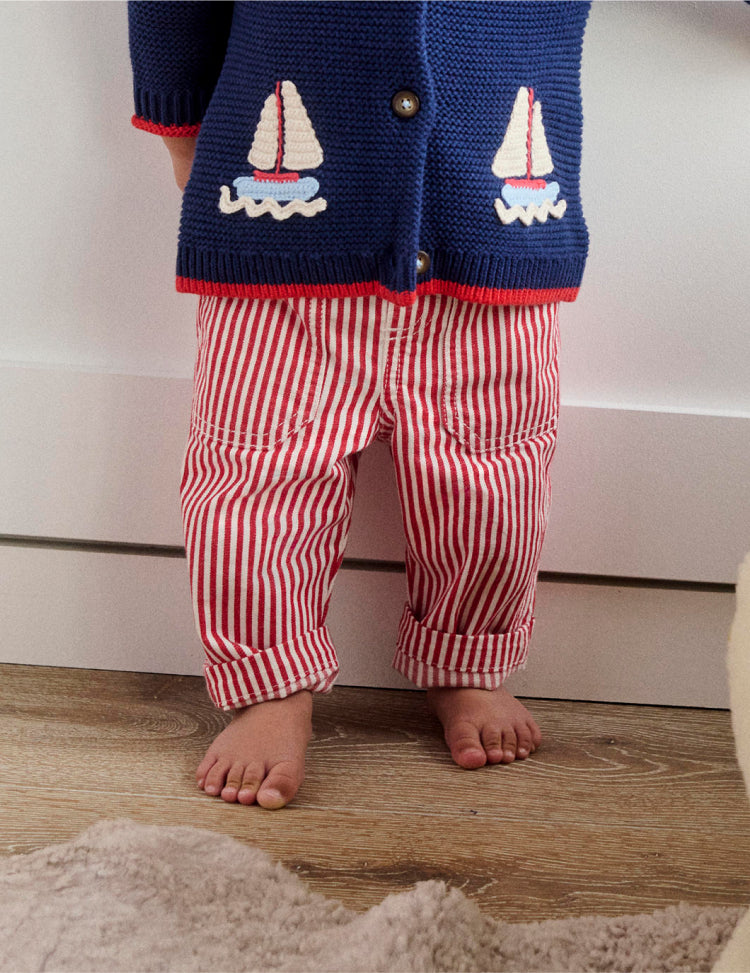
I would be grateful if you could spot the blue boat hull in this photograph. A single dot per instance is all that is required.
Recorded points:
(282, 191)
(520, 196)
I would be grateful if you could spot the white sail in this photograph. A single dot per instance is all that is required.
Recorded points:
(541, 160)
(265, 147)
(511, 159)
(301, 147)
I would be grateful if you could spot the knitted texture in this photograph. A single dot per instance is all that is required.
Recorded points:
(483, 177)
(177, 51)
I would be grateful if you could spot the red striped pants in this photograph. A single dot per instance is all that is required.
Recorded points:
(287, 395)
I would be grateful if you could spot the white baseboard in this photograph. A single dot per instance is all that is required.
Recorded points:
(129, 612)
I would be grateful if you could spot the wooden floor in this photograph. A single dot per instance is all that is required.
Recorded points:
(624, 809)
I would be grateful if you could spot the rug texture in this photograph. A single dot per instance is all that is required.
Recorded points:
(736, 956)
(129, 897)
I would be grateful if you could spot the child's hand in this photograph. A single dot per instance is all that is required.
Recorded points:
(182, 151)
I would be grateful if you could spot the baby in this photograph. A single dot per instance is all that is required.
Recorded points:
(381, 216)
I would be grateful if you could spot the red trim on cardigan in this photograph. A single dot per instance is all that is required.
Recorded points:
(173, 131)
(212, 288)
(491, 295)
(464, 292)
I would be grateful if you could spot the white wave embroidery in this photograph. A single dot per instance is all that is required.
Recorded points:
(272, 206)
(527, 214)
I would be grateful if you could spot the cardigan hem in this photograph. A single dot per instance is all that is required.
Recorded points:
(173, 131)
(480, 278)
(463, 292)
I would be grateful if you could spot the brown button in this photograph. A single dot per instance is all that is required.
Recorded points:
(423, 262)
(405, 104)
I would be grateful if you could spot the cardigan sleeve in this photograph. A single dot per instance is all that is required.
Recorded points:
(177, 50)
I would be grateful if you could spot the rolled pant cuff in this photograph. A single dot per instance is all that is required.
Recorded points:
(307, 662)
(430, 658)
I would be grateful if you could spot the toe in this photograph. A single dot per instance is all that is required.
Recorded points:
(216, 777)
(492, 741)
(233, 783)
(510, 746)
(465, 745)
(251, 781)
(280, 786)
(536, 736)
(204, 767)
(525, 744)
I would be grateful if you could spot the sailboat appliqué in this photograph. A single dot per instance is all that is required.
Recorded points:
(522, 160)
(284, 144)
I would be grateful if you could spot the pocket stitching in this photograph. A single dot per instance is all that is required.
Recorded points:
(461, 430)
(255, 440)
(463, 433)
(249, 440)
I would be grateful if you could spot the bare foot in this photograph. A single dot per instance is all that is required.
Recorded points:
(484, 726)
(260, 756)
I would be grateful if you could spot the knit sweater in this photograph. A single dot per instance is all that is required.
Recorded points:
(371, 148)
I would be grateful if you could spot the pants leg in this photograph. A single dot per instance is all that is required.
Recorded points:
(281, 410)
(475, 403)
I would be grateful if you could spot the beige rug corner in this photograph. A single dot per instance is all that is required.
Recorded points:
(129, 897)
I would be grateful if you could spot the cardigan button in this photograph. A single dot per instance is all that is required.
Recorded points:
(405, 104)
(423, 262)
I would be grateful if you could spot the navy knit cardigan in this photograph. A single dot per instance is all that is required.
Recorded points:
(355, 148)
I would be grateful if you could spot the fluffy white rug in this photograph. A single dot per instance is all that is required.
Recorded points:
(129, 897)
(736, 957)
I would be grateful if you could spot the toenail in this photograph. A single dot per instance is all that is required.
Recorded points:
(273, 798)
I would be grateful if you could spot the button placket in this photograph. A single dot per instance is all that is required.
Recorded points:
(406, 104)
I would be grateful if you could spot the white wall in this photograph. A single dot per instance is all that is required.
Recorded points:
(89, 208)
(662, 321)
(96, 354)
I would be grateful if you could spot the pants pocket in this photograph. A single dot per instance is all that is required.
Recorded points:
(500, 382)
(259, 370)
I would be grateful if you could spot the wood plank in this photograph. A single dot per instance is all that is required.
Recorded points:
(631, 757)
(516, 871)
(624, 809)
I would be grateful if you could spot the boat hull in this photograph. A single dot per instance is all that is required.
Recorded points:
(252, 188)
(525, 196)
